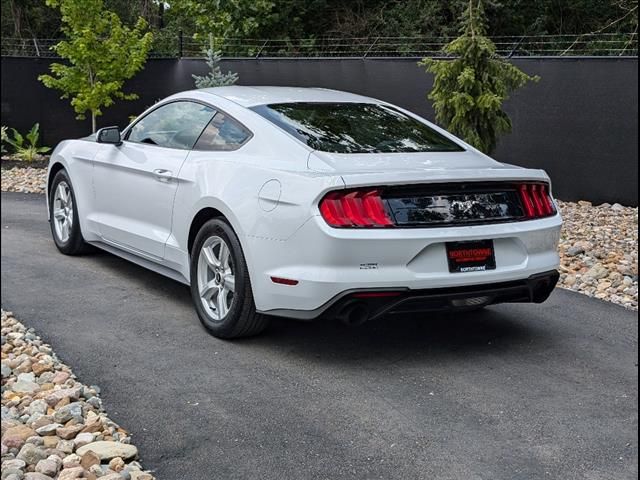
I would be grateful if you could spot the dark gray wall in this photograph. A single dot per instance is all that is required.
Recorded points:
(580, 122)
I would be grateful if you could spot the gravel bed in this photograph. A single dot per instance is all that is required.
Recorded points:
(53, 426)
(599, 251)
(599, 244)
(24, 180)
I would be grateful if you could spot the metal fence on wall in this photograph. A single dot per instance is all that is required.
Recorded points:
(599, 44)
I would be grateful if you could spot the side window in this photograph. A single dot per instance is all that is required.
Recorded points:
(174, 125)
(222, 133)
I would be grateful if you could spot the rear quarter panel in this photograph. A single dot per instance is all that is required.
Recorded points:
(263, 189)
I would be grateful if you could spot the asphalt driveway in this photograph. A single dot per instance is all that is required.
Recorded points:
(515, 392)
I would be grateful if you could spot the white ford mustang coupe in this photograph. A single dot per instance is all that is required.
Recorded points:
(306, 202)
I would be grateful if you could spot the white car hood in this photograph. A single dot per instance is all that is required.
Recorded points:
(406, 168)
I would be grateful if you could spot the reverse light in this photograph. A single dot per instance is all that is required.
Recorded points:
(536, 200)
(355, 208)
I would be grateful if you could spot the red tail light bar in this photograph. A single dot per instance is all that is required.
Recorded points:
(536, 200)
(360, 208)
(365, 208)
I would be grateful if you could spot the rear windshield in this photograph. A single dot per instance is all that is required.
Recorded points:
(355, 128)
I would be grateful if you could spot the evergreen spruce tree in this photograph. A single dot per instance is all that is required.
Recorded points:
(469, 88)
(215, 77)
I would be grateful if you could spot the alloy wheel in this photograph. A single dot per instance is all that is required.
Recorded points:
(216, 279)
(62, 211)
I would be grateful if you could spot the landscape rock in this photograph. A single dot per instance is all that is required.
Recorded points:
(25, 386)
(37, 406)
(40, 367)
(116, 464)
(599, 251)
(48, 429)
(112, 476)
(14, 463)
(12, 473)
(24, 180)
(83, 439)
(15, 437)
(89, 458)
(69, 432)
(71, 460)
(31, 454)
(72, 411)
(37, 476)
(50, 415)
(71, 473)
(55, 397)
(47, 467)
(139, 475)
(109, 450)
(66, 446)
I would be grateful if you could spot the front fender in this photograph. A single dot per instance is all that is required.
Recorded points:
(76, 157)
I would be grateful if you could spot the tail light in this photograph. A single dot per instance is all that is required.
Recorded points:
(436, 205)
(359, 208)
(536, 200)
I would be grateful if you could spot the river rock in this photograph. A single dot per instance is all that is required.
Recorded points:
(107, 450)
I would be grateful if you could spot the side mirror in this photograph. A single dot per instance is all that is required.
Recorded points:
(109, 135)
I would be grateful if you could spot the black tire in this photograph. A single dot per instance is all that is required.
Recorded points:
(74, 244)
(241, 320)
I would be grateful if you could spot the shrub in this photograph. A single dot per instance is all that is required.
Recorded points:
(26, 147)
(5, 138)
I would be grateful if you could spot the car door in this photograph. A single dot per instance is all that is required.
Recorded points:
(135, 182)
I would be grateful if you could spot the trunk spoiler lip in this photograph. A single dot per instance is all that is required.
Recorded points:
(412, 177)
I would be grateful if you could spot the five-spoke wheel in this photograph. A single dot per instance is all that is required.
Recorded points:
(220, 284)
(216, 281)
(63, 216)
(62, 211)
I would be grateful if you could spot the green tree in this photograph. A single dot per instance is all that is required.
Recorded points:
(215, 77)
(101, 52)
(469, 88)
(229, 18)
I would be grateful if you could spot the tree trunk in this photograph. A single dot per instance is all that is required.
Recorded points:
(93, 122)
(16, 13)
(160, 15)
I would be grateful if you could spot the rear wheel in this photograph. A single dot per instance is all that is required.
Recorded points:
(63, 216)
(220, 285)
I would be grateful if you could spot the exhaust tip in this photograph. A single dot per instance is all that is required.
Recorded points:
(470, 302)
(354, 314)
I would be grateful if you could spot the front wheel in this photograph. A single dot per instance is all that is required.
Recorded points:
(220, 285)
(63, 216)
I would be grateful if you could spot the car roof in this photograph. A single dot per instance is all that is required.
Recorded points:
(252, 96)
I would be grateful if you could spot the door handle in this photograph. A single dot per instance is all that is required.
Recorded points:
(163, 175)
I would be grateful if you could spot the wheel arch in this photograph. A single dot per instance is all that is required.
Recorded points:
(205, 212)
(201, 217)
(53, 170)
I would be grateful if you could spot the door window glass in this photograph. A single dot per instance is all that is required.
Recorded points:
(174, 125)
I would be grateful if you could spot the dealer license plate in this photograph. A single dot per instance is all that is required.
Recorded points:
(474, 256)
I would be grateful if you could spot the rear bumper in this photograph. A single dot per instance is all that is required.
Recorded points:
(378, 302)
(327, 262)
